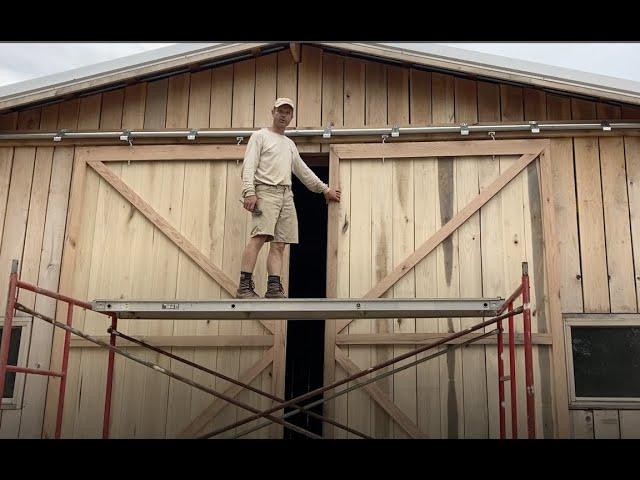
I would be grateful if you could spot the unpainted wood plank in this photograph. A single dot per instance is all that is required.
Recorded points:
(420, 89)
(560, 396)
(470, 270)
(403, 239)
(403, 215)
(310, 92)
(491, 240)
(214, 199)
(198, 208)
(354, 92)
(439, 149)
(49, 119)
(513, 206)
(29, 119)
(447, 276)
(112, 108)
(337, 285)
(442, 98)
(48, 277)
(228, 361)
(190, 279)
(591, 225)
(287, 84)
(630, 112)
(566, 224)
(200, 341)
(157, 153)
(539, 300)
(382, 230)
(128, 396)
(606, 424)
(266, 85)
(425, 225)
(104, 279)
(199, 100)
(360, 280)
(535, 104)
(166, 186)
(629, 424)
(558, 107)
(155, 111)
(35, 223)
(605, 111)
(424, 338)
(582, 424)
(78, 239)
(89, 112)
(9, 121)
(622, 291)
(511, 103)
(582, 109)
(491, 235)
(16, 215)
(221, 97)
(134, 106)
(12, 247)
(6, 162)
(397, 95)
(451, 397)
(178, 101)
(243, 93)
(488, 102)
(69, 117)
(332, 92)
(632, 157)
(376, 94)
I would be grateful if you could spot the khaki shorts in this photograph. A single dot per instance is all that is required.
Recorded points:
(279, 219)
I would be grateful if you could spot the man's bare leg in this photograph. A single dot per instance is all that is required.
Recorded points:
(274, 260)
(251, 251)
(274, 268)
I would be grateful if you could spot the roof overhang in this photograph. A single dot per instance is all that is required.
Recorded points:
(186, 56)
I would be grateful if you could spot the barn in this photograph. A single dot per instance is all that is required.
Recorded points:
(122, 181)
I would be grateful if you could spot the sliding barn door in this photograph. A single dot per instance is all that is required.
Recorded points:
(389, 237)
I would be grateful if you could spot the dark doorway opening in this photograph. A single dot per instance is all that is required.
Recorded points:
(307, 274)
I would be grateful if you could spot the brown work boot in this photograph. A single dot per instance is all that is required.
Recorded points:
(246, 289)
(274, 290)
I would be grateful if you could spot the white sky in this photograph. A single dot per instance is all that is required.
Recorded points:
(26, 60)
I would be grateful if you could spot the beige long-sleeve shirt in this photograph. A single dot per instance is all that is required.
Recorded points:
(270, 158)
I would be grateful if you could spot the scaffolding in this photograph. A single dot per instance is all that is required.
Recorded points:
(300, 309)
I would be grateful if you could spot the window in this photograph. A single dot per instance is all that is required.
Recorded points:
(18, 349)
(603, 353)
(14, 348)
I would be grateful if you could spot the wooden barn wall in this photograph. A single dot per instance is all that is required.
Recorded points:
(597, 200)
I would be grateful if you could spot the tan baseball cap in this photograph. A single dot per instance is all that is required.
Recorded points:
(283, 101)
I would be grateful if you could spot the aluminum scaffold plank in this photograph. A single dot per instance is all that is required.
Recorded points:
(300, 308)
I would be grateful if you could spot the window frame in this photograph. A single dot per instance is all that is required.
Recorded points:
(15, 402)
(595, 320)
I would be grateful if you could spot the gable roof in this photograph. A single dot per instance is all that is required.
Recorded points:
(185, 57)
